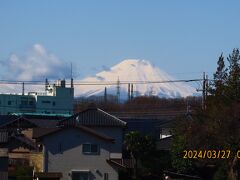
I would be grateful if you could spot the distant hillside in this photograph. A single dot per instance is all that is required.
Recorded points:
(146, 106)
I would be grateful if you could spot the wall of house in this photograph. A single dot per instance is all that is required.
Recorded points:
(63, 153)
(116, 133)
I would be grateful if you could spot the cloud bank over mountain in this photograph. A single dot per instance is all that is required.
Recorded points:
(36, 64)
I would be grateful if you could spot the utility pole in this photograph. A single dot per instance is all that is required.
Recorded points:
(129, 91)
(204, 90)
(71, 77)
(105, 95)
(118, 90)
(46, 84)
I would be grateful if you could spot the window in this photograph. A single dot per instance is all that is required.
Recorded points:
(53, 103)
(80, 175)
(46, 102)
(23, 102)
(90, 149)
(9, 103)
(105, 176)
(86, 148)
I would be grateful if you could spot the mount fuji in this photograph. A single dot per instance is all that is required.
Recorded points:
(134, 70)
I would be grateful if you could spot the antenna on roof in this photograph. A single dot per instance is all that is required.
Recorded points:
(131, 91)
(46, 84)
(71, 70)
(71, 76)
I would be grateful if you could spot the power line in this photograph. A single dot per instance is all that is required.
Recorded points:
(101, 83)
(135, 82)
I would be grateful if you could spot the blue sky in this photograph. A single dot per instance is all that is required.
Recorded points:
(184, 38)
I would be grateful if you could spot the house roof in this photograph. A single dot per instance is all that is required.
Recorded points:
(10, 120)
(44, 123)
(32, 121)
(4, 119)
(25, 140)
(160, 113)
(92, 116)
(39, 133)
(16, 141)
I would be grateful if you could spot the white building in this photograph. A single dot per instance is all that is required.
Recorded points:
(57, 99)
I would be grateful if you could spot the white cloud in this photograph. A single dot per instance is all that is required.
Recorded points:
(36, 64)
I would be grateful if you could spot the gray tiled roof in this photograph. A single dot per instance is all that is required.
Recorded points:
(6, 119)
(44, 123)
(33, 121)
(27, 142)
(93, 116)
(39, 133)
(15, 141)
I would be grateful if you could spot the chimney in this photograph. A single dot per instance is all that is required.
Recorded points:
(46, 84)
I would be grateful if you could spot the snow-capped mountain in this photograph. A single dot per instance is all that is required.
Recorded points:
(134, 70)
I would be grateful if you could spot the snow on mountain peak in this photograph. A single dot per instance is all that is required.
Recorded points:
(127, 63)
(135, 70)
(133, 62)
